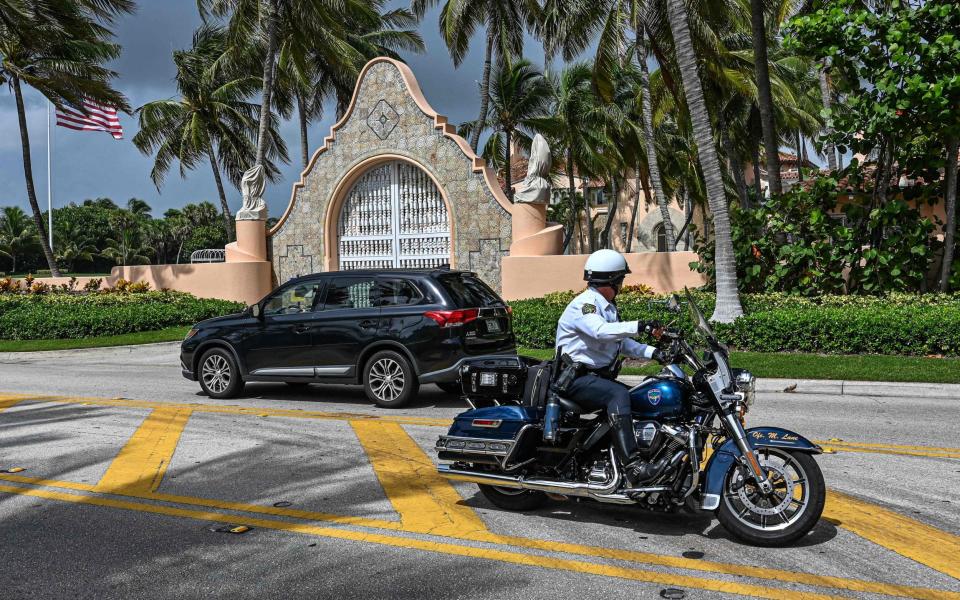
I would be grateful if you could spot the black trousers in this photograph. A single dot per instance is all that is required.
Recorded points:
(592, 391)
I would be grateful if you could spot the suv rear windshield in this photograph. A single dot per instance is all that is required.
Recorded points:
(470, 292)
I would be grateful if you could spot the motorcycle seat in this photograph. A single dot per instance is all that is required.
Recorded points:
(569, 406)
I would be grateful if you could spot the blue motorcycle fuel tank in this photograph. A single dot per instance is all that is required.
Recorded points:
(657, 399)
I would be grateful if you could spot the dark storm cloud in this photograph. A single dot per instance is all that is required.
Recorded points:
(93, 164)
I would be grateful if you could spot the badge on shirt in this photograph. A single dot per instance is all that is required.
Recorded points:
(588, 309)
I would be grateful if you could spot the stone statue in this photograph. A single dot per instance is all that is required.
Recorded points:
(252, 185)
(535, 187)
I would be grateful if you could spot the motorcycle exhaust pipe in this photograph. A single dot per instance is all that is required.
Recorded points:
(550, 486)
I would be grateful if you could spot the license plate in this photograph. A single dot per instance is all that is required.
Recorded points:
(493, 326)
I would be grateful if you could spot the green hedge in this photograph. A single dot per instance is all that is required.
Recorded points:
(56, 316)
(893, 324)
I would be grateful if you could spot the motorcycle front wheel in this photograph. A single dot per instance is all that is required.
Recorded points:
(785, 515)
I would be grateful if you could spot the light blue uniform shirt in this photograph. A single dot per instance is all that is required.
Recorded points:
(590, 333)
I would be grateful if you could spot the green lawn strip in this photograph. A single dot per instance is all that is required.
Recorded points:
(788, 365)
(170, 334)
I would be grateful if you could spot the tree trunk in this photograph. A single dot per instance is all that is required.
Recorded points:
(611, 214)
(304, 141)
(224, 206)
(268, 60)
(508, 171)
(765, 96)
(757, 185)
(950, 197)
(636, 208)
(571, 197)
(650, 146)
(736, 168)
(728, 299)
(799, 156)
(28, 177)
(484, 91)
(827, 101)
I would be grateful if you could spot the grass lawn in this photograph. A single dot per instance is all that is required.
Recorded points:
(170, 334)
(868, 367)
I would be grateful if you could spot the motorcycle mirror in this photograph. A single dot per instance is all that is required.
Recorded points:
(255, 310)
(673, 304)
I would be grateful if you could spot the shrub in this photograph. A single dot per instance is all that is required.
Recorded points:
(897, 323)
(52, 316)
(93, 285)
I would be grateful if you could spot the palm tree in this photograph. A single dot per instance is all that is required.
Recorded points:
(17, 235)
(578, 129)
(125, 247)
(519, 100)
(139, 208)
(504, 22)
(728, 305)
(312, 79)
(771, 142)
(211, 120)
(59, 50)
(266, 26)
(75, 247)
(653, 163)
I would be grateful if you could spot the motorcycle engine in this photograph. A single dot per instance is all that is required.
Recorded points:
(656, 444)
(649, 437)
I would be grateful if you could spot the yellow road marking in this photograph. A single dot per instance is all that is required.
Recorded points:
(908, 537)
(425, 501)
(8, 401)
(142, 462)
(928, 451)
(842, 583)
(544, 562)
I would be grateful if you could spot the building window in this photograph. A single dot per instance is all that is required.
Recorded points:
(623, 234)
(660, 233)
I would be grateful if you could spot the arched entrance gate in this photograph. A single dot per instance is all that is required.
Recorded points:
(393, 216)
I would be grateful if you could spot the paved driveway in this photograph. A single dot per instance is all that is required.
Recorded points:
(132, 480)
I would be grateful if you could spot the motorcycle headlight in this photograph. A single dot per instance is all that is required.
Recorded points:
(747, 385)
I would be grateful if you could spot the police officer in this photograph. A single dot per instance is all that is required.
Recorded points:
(590, 333)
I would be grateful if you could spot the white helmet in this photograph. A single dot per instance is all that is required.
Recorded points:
(605, 267)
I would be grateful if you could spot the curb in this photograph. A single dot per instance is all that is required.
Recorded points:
(884, 389)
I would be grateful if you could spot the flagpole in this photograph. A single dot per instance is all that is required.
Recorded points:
(49, 182)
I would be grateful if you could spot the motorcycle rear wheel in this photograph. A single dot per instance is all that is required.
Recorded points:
(513, 498)
(789, 513)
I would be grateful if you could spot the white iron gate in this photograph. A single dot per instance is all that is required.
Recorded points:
(394, 216)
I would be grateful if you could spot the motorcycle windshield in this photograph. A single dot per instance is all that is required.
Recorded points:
(700, 324)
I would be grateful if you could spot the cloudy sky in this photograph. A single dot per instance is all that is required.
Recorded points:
(92, 164)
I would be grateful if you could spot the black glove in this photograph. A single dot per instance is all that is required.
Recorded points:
(659, 356)
(647, 327)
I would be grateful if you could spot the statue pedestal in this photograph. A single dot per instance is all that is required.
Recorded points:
(531, 234)
(251, 244)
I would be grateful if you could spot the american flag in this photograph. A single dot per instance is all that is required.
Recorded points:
(92, 117)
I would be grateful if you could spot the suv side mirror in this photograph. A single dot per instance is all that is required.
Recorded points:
(255, 310)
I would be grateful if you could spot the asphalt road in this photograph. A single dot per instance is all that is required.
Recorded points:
(129, 472)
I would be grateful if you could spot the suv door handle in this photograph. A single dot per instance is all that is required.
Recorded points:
(367, 323)
(300, 329)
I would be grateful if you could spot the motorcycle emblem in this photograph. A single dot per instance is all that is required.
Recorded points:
(653, 396)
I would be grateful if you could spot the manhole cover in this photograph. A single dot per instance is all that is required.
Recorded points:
(282, 504)
(672, 593)
(694, 554)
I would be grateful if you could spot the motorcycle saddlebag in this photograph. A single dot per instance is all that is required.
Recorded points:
(485, 434)
(498, 379)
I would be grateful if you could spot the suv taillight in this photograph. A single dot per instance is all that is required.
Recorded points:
(448, 318)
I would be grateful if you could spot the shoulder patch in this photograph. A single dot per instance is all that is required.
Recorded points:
(588, 309)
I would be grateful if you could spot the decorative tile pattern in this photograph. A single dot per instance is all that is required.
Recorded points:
(383, 119)
(481, 231)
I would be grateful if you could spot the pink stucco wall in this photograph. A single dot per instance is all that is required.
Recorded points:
(534, 276)
(239, 281)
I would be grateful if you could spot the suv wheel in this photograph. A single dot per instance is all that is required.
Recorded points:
(389, 380)
(219, 375)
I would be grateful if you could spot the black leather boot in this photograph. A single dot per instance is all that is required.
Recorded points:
(625, 441)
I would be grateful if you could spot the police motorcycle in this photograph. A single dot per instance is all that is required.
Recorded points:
(531, 444)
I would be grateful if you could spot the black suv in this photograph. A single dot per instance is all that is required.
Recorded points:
(390, 330)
